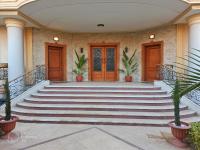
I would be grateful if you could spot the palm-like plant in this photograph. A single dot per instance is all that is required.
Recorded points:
(130, 64)
(7, 101)
(186, 82)
(80, 62)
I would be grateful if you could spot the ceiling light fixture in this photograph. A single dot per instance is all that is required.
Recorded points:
(55, 38)
(100, 25)
(152, 36)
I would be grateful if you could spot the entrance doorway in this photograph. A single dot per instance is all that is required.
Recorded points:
(55, 59)
(104, 63)
(152, 56)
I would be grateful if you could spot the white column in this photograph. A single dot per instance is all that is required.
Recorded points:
(15, 48)
(194, 35)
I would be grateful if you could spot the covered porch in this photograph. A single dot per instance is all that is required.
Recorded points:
(29, 38)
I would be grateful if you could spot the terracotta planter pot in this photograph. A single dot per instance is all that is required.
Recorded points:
(128, 78)
(79, 78)
(180, 132)
(8, 126)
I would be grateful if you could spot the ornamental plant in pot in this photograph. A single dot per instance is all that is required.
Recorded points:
(130, 66)
(186, 81)
(80, 70)
(7, 123)
(179, 129)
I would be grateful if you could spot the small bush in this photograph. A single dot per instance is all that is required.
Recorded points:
(194, 135)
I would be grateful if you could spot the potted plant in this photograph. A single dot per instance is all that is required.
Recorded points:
(130, 66)
(79, 71)
(179, 129)
(184, 84)
(7, 123)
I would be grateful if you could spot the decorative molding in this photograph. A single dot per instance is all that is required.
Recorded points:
(191, 10)
(194, 19)
(13, 4)
(10, 22)
(22, 16)
(192, 1)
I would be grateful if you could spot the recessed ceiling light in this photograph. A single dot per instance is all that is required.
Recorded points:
(100, 25)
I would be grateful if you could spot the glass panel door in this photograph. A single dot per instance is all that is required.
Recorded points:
(110, 70)
(97, 59)
(110, 59)
(98, 64)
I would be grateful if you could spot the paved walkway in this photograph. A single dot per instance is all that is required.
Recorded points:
(85, 137)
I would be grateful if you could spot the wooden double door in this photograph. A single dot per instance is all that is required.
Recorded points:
(104, 63)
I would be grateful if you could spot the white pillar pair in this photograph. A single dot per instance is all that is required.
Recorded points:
(15, 36)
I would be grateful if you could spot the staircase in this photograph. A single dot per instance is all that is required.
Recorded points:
(100, 104)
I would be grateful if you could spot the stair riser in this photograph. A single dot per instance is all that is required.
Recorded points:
(94, 97)
(103, 93)
(98, 103)
(102, 116)
(99, 109)
(93, 123)
(99, 88)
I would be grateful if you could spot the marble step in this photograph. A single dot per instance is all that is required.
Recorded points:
(101, 87)
(101, 114)
(102, 121)
(90, 107)
(98, 101)
(100, 96)
(118, 92)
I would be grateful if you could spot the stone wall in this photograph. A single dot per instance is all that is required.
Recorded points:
(131, 40)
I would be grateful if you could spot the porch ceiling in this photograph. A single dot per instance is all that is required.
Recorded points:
(117, 15)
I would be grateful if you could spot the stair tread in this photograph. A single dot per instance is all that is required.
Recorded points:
(97, 106)
(114, 120)
(100, 95)
(102, 91)
(15, 109)
(110, 85)
(99, 100)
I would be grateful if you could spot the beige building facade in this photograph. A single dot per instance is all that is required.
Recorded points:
(175, 38)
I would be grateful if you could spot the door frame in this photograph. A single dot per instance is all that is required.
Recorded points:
(144, 45)
(117, 45)
(64, 47)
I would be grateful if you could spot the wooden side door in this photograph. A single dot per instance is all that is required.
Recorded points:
(152, 58)
(55, 63)
(110, 63)
(98, 65)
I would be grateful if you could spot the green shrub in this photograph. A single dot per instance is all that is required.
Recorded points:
(194, 135)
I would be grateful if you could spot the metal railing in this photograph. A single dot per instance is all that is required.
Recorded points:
(169, 76)
(21, 84)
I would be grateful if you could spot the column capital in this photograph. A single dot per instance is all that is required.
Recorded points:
(194, 19)
(11, 22)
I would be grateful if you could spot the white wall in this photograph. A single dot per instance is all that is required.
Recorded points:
(3, 45)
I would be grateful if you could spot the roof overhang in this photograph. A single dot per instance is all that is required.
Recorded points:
(192, 10)
(13, 4)
(18, 15)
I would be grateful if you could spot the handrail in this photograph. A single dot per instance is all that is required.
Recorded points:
(26, 81)
(21, 84)
(169, 76)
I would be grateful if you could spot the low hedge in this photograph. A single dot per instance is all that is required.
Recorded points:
(194, 135)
